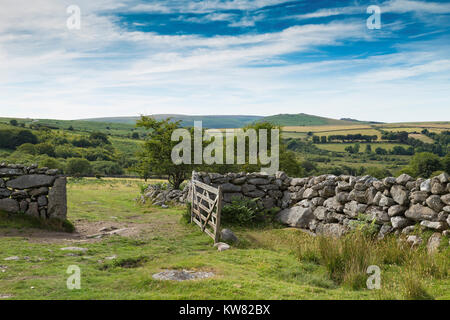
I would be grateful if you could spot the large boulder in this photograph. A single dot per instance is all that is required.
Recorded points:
(228, 236)
(57, 200)
(399, 194)
(9, 205)
(419, 212)
(298, 217)
(31, 181)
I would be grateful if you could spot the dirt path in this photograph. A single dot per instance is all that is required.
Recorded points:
(85, 231)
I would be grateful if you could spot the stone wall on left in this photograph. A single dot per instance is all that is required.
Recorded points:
(33, 191)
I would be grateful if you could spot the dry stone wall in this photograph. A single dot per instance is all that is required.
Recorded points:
(33, 191)
(331, 205)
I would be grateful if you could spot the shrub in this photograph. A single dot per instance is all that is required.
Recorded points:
(242, 212)
(107, 168)
(45, 148)
(79, 167)
(27, 148)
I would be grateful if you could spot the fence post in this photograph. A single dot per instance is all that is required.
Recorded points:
(219, 211)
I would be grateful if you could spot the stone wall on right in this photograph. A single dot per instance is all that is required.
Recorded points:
(332, 205)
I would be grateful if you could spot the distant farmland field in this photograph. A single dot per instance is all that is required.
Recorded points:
(326, 128)
(340, 147)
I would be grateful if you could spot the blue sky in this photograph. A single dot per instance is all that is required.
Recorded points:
(258, 57)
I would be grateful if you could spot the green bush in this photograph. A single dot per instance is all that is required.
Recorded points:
(107, 168)
(242, 212)
(27, 148)
(78, 167)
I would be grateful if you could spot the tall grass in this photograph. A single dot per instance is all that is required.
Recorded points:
(347, 259)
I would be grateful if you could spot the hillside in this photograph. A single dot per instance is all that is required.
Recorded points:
(215, 122)
(303, 119)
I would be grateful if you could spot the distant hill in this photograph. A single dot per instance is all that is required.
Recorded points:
(234, 121)
(214, 122)
(302, 119)
(359, 121)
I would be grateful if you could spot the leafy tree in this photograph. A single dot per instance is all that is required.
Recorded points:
(368, 148)
(135, 135)
(13, 122)
(98, 138)
(316, 139)
(323, 139)
(424, 164)
(156, 155)
(381, 151)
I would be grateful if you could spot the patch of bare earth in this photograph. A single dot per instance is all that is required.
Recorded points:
(88, 231)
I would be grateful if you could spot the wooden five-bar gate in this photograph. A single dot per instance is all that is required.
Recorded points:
(206, 204)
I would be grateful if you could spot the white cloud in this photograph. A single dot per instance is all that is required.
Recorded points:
(104, 70)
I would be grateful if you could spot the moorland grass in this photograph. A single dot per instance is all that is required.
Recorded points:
(264, 265)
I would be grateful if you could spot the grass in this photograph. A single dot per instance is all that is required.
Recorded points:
(347, 260)
(264, 265)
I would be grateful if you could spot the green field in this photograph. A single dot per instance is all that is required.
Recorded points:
(340, 147)
(265, 265)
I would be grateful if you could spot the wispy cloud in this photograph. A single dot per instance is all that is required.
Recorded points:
(334, 68)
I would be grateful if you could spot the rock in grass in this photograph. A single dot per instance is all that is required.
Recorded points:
(434, 242)
(13, 258)
(414, 241)
(221, 246)
(228, 236)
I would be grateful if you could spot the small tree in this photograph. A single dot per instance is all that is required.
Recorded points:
(13, 122)
(156, 154)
